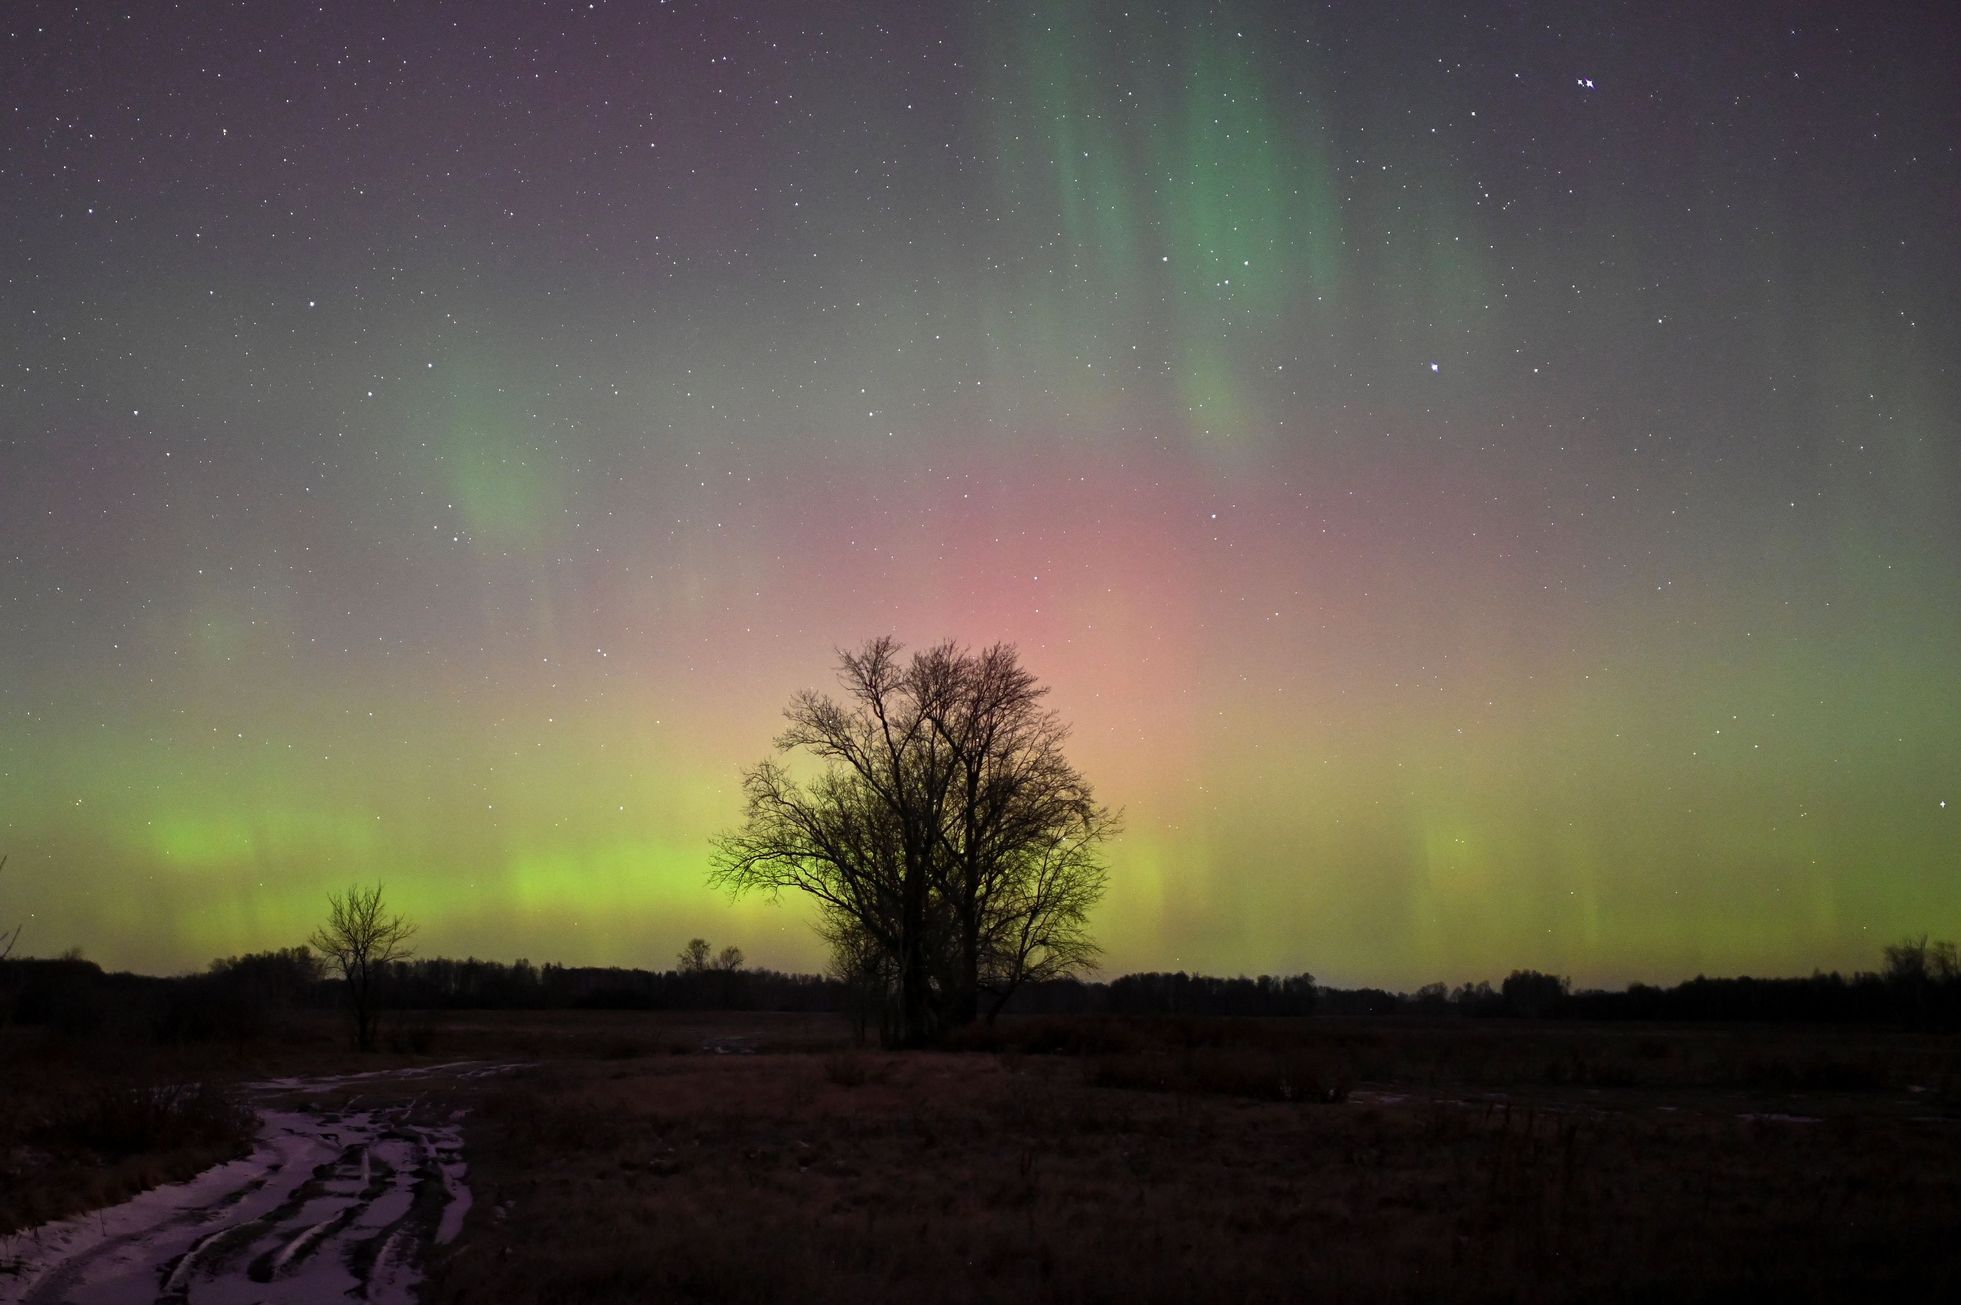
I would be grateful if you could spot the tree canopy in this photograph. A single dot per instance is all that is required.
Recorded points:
(951, 847)
(361, 941)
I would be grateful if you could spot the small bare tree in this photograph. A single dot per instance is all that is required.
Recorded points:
(728, 982)
(1915, 962)
(7, 940)
(361, 942)
(694, 957)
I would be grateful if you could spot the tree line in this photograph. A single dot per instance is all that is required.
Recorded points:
(1919, 984)
(243, 997)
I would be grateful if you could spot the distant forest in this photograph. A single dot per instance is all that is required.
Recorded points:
(1919, 986)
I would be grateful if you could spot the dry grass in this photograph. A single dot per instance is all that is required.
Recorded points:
(81, 1128)
(1125, 1160)
(1019, 1175)
(89, 1121)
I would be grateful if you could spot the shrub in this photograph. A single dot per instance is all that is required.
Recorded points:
(118, 1122)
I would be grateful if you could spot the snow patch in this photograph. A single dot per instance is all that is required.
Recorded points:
(324, 1208)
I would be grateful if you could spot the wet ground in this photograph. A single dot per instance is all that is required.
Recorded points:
(351, 1181)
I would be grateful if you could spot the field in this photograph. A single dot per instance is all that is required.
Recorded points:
(759, 1158)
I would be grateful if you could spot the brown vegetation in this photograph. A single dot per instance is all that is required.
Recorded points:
(1217, 1161)
(87, 1125)
(646, 1156)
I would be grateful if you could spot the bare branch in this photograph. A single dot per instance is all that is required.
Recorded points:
(7, 940)
(362, 942)
(949, 844)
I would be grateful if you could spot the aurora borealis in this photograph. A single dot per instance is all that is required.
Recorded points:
(1485, 487)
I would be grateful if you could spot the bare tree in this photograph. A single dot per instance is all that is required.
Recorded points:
(865, 970)
(1017, 856)
(1914, 961)
(1035, 922)
(729, 960)
(947, 841)
(7, 940)
(694, 957)
(361, 942)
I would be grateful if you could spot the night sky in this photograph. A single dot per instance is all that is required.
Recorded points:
(1484, 487)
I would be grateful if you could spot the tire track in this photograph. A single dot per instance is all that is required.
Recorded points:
(331, 1204)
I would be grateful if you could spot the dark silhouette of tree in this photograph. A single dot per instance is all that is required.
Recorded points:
(694, 957)
(946, 836)
(729, 984)
(1033, 924)
(1915, 962)
(712, 979)
(7, 940)
(360, 941)
(1477, 999)
(1925, 979)
(1531, 995)
(866, 973)
(1185, 994)
(1432, 998)
(289, 975)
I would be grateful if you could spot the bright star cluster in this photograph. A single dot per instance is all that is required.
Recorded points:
(1481, 481)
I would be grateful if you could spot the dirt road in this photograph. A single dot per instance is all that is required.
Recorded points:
(351, 1181)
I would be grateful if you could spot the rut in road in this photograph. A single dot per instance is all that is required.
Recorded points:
(334, 1203)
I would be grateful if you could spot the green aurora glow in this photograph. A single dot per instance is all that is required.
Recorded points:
(1473, 518)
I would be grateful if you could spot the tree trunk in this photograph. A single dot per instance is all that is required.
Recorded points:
(360, 992)
(913, 992)
(966, 1001)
